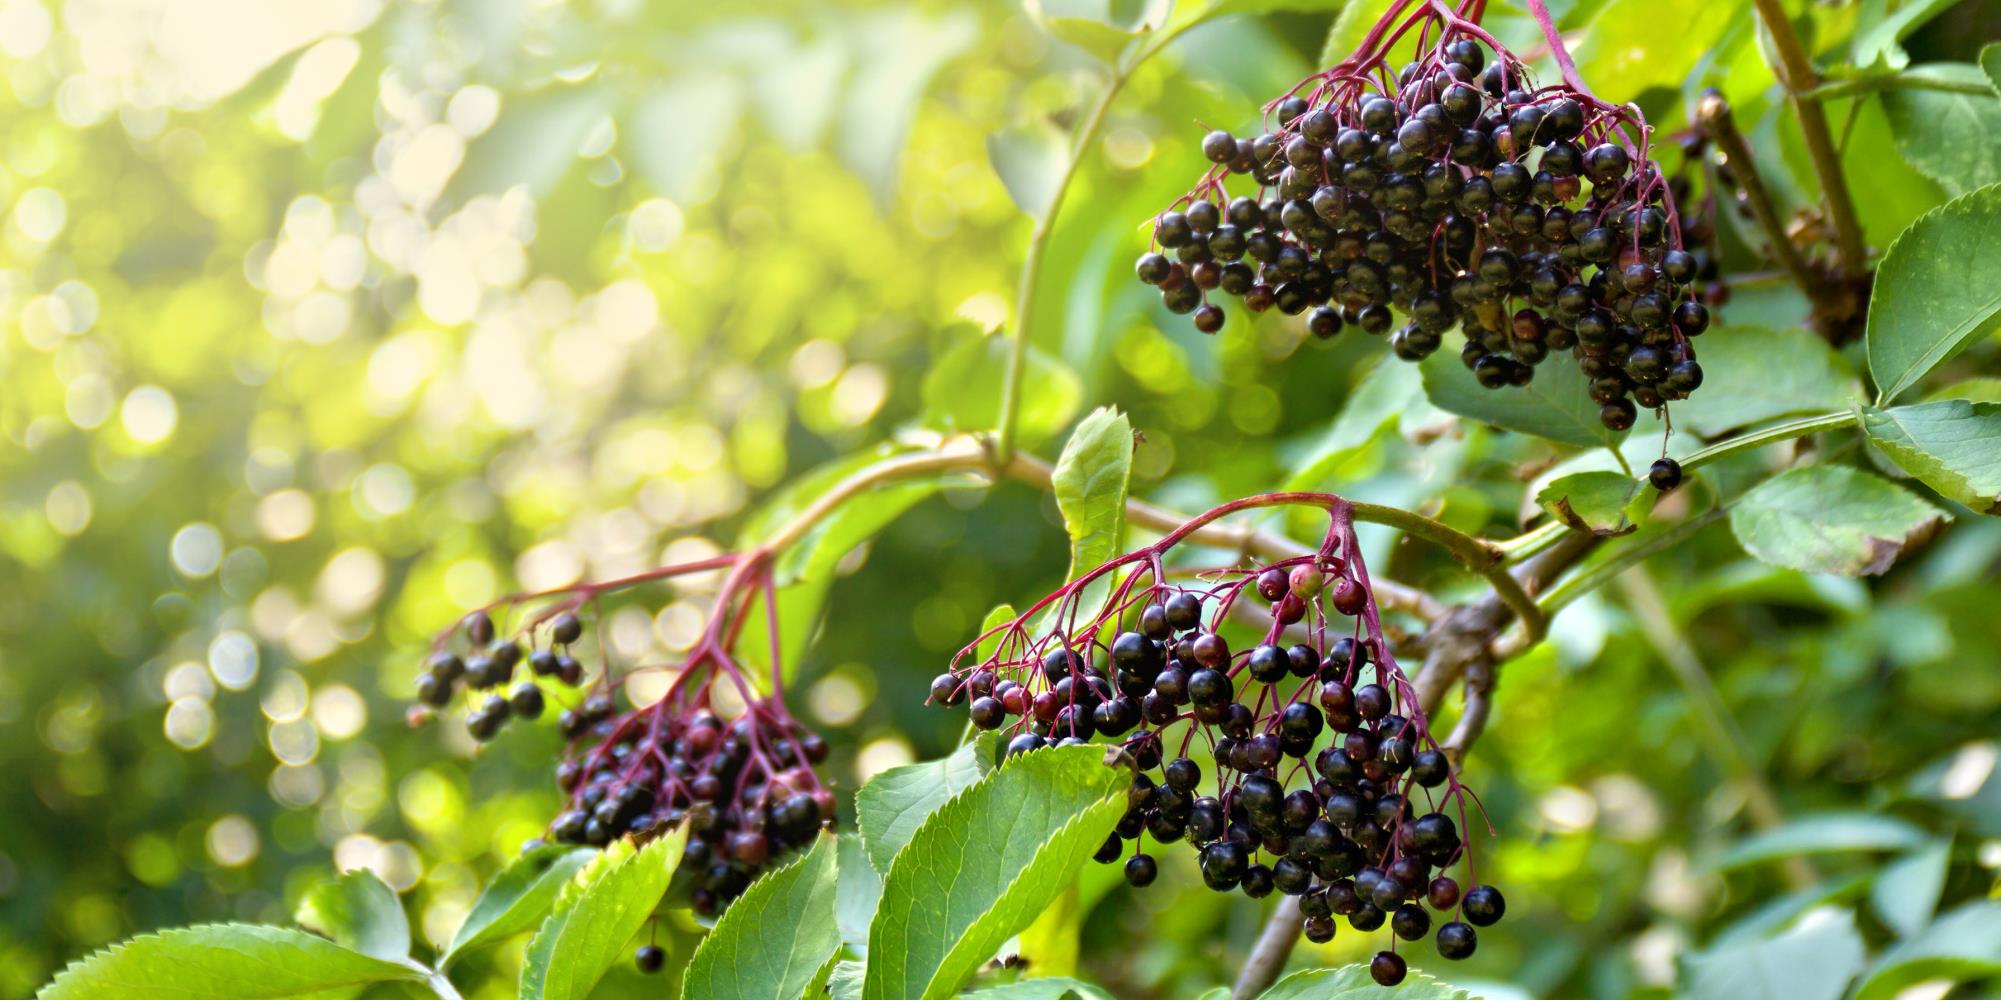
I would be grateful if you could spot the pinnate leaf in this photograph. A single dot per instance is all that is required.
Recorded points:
(1813, 960)
(1593, 502)
(358, 911)
(774, 940)
(1963, 944)
(1352, 982)
(981, 867)
(596, 916)
(1832, 519)
(896, 802)
(1953, 445)
(1556, 405)
(1937, 289)
(516, 899)
(222, 962)
(1822, 833)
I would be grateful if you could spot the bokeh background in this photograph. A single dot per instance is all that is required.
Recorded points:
(321, 322)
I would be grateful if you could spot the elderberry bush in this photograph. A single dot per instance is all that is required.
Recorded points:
(1452, 192)
(1302, 764)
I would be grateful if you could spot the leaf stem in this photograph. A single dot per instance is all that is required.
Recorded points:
(1894, 81)
(1799, 428)
(1714, 114)
(1796, 73)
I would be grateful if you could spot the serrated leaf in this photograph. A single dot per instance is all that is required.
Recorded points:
(1090, 482)
(358, 911)
(856, 893)
(1813, 960)
(1041, 988)
(980, 868)
(222, 962)
(1937, 289)
(1824, 833)
(1031, 163)
(1907, 891)
(1593, 502)
(773, 941)
(1952, 445)
(515, 900)
(1741, 385)
(593, 922)
(893, 804)
(1832, 519)
(1951, 137)
(1353, 982)
(962, 391)
(1555, 406)
(1963, 944)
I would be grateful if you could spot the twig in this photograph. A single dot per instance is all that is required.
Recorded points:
(1713, 112)
(1726, 743)
(1796, 73)
(1274, 946)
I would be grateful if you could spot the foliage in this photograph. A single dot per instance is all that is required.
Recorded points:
(317, 335)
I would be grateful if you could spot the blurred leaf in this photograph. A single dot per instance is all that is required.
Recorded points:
(1633, 46)
(1100, 27)
(1821, 834)
(1883, 25)
(1090, 485)
(534, 142)
(1041, 988)
(797, 94)
(591, 926)
(890, 808)
(676, 134)
(1353, 982)
(846, 982)
(1555, 406)
(358, 911)
(1983, 389)
(856, 893)
(1741, 385)
(224, 962)
(1990, 63)
(999, 616)
(1906, 893)
(1952, 138)
(1832, 519)
(1937, 289)
(1953, 445)
(1370, 412)
(883, 94)
(1031, 163)
(516, 899)
(1777, 912)
(962, 391)
(980, 868)
(1592, 501)
(1963, 944)
(1050, 943)
(1814, 960)
(774, 940)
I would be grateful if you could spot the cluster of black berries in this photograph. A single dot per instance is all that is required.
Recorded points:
(490, 665)
(1319, 778)
(746, 788)
(1461, 195)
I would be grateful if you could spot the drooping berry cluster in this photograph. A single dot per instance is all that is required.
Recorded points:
(1459, 193)
(1302, 764)
(489, 666)
(737, 770)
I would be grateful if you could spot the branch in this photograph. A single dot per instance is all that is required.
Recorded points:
(1274, 946)
(1796, 73)
(1713, 112)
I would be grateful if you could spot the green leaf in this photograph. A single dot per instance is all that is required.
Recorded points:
(1742, 386)
(515, 900)
(962, 392)
(999, 616)
(1353, 982)
(358, 911)
(1978, 389)
(1990, 64)
(1371, 412)
(1907, 891)
(534, 142)
(1592, 501)
(856, 893)
(1938, 288)
(596, 919)
(1832, 519)
(896, 802)
(1814, 960)
(1637, 45)
(1953, 138)
(1879, 30)
(774, 940)
(846, 981)
(981, 867)
(222, 962)
(675, 136)
(1555, 406)
(1823, 833)
(884, 93)
(1031, 163)
(1041, 988)
(1090, 484)
(1050, 943)
(1952, 445)
(1101, 27)
(1963, 944)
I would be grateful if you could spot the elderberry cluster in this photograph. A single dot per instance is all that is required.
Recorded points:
(1304, 768)
(489, 666)
(1459, 194)
(746, 789)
